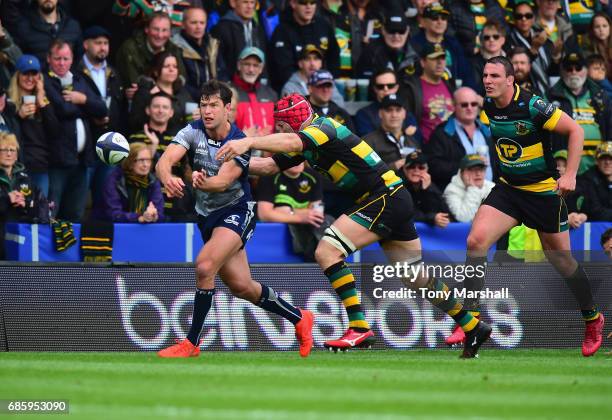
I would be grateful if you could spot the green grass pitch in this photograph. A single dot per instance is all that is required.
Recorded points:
(279, 385)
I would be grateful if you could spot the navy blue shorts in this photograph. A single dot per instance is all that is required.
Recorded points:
(240, 218)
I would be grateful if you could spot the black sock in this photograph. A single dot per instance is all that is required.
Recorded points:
(473, 282)
(272, 302)
(201, 305)
(581, 289)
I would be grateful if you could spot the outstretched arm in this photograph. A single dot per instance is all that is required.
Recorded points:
(275, 143)
(228, 173)
(263, 166)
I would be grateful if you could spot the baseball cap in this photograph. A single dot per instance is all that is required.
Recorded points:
(396, 23)
(320, 77)
(560, 154)
(94, 32)
(573, 59)
(252, 51)
(604, 149)
(415, 157)
(434, 9)
(27, 63)
(310, 49)
(433, 50)
(390, 100)
(471, 160)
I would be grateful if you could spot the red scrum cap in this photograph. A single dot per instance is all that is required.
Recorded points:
(293, 109)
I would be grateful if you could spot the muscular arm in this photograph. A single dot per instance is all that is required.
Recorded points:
(263, 166)
(568, 127)
(228, 173)
(275, 143)
(268, 213)
(172, 155)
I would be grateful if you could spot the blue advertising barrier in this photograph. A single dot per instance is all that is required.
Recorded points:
(180, 242)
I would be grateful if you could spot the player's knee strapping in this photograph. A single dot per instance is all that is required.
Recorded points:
(338, 240)
(343, 282)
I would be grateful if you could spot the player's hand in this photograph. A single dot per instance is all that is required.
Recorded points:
(441, 220)
(565, 185)
(232, 149)
(312, 217)
(198, 179)
(174, 187)
(425, 180)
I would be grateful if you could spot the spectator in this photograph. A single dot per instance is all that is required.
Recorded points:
(20, 200)
(74, 103)
(8, 115)
(38, 123)
(137, 9)
(596, 185)
(468, 188)
(310, 60)
(576, 217)
(545, 55)
(462, 134)
(157, 135)
(435, 27)
(597, 72)
(163, 77)
(580, 13)
(523, 76)
(43, 23)
(255, 100)
(135, 56)
(599, 39)
(132, 193)
(587, 103)
(556, 26)
(428, 97)
(9, 54)
(294, 197)
(389, 140)
(237, 29)
(491, 39)
(469, 17)
(606, 242)
(392, 52)
(201, 55)
(367, 119)
(320, 89)
(300, 28)
(429, 205)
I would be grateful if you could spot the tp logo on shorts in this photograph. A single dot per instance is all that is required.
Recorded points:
(509, 149)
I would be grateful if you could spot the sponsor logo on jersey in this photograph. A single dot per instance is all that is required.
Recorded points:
(521, 128)
(363, 216)
(509, 149)
(500, 117)
(214, 143)
(232, 220)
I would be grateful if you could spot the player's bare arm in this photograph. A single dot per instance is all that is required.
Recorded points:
(173, 184)
(228, 173)
(263, 166)
(274, 143)
(570, 128)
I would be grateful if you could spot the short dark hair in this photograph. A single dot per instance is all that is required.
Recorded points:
(605, 237)
(596, 59)
(517, 51)
(160, 94)
(504, 61)
(59, 43)
(494, 24)
(213, 87)
(157, 15)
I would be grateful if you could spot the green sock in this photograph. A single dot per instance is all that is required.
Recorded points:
(343, 282)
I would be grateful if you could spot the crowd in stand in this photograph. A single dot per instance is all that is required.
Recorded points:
(73, 70)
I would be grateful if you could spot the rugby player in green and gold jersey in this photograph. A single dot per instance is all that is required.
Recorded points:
(530, 190)
(383, 210)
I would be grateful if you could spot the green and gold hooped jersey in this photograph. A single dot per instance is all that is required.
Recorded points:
(333, 150)
(521, 141)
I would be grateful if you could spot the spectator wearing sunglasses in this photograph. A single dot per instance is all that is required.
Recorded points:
(492, 39)
(583, 99)
(469, 18)
(297, 29)
(462, 134)
(393, 51)
(544, 54)
(435, 27)
(523, 76)
(429, 205)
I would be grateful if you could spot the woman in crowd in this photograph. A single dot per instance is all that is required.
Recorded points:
(38, 123)
(132, 193)
(599, 39)
(164, 77)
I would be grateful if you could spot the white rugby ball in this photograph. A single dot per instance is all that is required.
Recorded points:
(112, 148)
